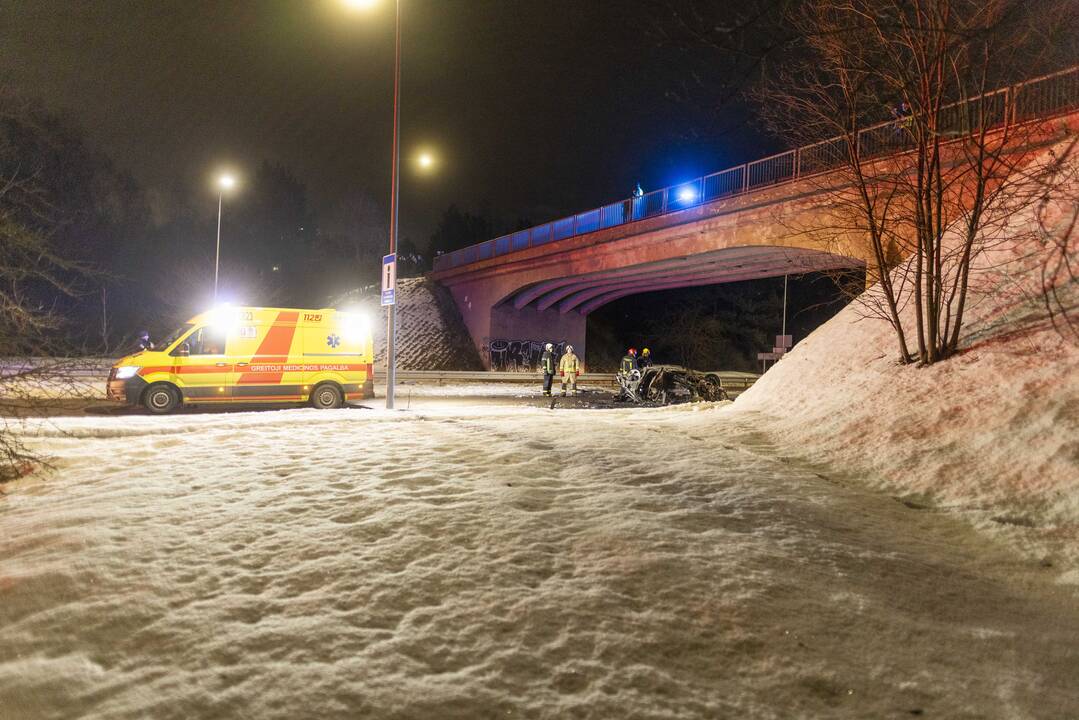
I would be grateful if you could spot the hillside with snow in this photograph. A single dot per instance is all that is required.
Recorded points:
(991, 434)
(430, 332)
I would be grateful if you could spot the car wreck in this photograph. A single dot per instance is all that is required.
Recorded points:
(667, 384)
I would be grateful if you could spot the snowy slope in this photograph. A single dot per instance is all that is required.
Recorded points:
(992, 434)
(430, 332)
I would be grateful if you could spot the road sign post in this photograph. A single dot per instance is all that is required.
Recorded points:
(389, 301)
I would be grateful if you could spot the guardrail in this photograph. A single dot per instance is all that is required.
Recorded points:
(93, 369)
(1040, 97)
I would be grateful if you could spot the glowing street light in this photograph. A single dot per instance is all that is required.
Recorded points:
(225, 182)
(426, 161)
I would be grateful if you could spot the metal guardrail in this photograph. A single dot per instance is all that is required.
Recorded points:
(1040, 97)
(729, 380)
(93, 369)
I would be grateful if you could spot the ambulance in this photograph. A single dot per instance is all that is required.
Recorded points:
(252, 355)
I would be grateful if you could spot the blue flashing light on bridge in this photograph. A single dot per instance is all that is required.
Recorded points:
(687, 194)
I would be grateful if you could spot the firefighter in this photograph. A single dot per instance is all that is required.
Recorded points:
(569, 367)
(547, 363)
(144, 341)
(629, 362)
(645, 360)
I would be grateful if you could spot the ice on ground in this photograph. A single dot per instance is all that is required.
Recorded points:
(499, 562)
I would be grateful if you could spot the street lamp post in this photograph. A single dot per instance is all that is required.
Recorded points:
(224, 182)
(391, 315)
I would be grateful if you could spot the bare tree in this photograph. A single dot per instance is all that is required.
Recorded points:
(32, 280)
(939, 181)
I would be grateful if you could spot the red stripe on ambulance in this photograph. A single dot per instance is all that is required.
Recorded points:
(272, 351)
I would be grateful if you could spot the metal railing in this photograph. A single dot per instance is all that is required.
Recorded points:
(1040, 97)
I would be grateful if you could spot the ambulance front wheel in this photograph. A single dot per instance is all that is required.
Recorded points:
(327, 397)
(160, 398)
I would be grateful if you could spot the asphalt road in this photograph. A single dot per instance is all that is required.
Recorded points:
(405, 401)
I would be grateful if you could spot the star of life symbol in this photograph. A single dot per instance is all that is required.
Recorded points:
(333, 340)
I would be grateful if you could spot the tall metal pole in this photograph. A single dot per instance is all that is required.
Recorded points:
(391, 315)
(217, 255)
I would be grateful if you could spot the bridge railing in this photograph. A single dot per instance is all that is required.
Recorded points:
(1041, 97)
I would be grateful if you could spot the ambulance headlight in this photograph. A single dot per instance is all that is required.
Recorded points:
(125, 372)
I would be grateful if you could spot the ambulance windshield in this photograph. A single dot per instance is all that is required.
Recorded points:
(173, 337)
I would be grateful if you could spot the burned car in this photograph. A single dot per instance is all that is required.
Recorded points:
(666, 384)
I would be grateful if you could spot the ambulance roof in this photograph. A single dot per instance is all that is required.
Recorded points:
(258, 314)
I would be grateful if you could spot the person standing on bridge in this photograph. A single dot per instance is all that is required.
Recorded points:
(569, 367)
(547, 364)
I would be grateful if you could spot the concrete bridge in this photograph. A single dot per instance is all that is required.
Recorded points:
(541, 284)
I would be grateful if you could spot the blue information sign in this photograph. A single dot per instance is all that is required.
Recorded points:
(389, 279)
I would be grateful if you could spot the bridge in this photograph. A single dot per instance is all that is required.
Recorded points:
(541, 284)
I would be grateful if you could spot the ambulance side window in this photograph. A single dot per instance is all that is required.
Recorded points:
(205, 341)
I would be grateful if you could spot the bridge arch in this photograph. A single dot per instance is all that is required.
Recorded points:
(589, 291)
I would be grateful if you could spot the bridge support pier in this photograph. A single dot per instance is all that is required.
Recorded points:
(529, 324)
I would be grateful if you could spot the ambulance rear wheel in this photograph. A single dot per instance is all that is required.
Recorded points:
(327, 397)
(160, 398)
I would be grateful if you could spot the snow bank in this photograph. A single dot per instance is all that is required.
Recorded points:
(992, 434)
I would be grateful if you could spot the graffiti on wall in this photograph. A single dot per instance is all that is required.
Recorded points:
(516, 355)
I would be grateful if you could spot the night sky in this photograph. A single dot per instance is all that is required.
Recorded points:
(535, 109)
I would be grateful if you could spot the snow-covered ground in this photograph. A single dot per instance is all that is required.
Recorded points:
(501, 562)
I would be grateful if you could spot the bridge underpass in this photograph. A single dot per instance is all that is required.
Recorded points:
(546, 293)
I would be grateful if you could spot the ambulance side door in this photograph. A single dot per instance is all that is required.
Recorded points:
(203, 369)
(320, 343)
(243, 343)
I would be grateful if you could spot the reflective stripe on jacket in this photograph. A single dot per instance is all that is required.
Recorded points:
(569, 364)
(547, 362)
(629, 364)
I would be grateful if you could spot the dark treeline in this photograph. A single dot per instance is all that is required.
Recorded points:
(716, 327)
(125, 258)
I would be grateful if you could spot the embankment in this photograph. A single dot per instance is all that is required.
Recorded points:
(991, 434)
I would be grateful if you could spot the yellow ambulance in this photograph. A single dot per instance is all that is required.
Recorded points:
(252, 355)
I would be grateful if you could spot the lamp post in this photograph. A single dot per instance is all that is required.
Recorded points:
(391, 314)
(224, 182)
